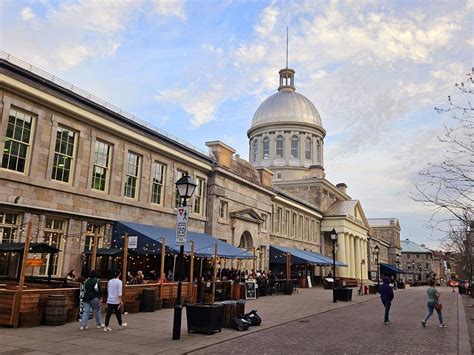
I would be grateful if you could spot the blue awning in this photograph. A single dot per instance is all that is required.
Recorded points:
(391, 269)
(149, 241)
(326, 258)
(278, 255)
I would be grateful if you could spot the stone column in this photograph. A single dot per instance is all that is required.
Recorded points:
(357, 256)
(353, 260)
(366, 258)
(340, 256)
(287, 148)
(347, 259)
(272, 138)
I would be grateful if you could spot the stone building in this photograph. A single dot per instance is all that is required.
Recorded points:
(417, 261)
(287, 137)
(388, 229)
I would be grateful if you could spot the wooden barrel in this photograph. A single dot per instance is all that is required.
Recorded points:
(148, 300)
(132, 306)
(55, 312)
(229, 313)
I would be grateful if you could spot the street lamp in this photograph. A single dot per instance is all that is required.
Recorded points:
(376, 251)
(186, 187)
(334, 240)
(398, 265)
(413, 267)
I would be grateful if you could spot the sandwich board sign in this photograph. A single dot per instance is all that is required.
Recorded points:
(182, 225)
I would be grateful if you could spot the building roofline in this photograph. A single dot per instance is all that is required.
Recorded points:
(42, 77)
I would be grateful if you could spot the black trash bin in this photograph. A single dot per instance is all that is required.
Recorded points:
(205, 318)
(344, 294)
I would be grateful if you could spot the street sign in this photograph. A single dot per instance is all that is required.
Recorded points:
(34, 262)
(132, 242)
(182, 225)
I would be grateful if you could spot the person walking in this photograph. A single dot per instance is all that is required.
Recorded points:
(91, 299)
(114, 302)
(433, 303)
(386, 295)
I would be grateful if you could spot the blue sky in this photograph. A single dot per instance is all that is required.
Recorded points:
(199, 70)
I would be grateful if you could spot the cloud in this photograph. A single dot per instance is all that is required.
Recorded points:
(76, 30)
(171, 8)
(27, 14)
(200, 105)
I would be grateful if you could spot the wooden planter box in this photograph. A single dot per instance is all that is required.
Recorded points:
(205, 318)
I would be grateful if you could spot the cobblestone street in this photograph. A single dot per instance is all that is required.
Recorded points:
(306, 322)
(359, 329)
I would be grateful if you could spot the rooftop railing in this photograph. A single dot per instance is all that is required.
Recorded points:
(78, 91)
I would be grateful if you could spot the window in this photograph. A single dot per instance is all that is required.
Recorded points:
(306, 229)
(132, 169)
(287, 222)
(294, 147)
(408, 256)
(199, 196)
(266, 148)
(294, 224)
(300, 228)
(278, 220)
(158, 179)
(223, 205)
(255, 150)
(179, 175)
(312, 235)
(307, 148)
(279, 147)
(9, 227)
(17, 141)
(63, 154)
(53, 235)
(100, 169)
(91, 230)
(318, 151)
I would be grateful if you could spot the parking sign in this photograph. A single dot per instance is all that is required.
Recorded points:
(182, 225)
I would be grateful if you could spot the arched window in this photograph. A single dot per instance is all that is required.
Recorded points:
(307, 148)
(255, 150)
(295, 146)
(318, 151)
(279, 147)
(266, 148)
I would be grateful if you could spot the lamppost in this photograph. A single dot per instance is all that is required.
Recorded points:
(413, 267)
(419, 268)
(376, 252)
(334, 240)
(186, 187)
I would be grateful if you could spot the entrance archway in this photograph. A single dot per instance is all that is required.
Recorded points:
(246, 241)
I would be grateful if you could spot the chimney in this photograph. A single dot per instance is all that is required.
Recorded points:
(265, 177)
(222, 152)
(342, 187)
(316, 171)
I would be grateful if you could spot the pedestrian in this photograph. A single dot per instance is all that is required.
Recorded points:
(386, 295)
(433, 303)
(114, 301)
(91, 299)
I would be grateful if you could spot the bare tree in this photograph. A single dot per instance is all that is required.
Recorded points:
(449, 186)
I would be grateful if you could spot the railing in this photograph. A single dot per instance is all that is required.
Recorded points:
(65, 85)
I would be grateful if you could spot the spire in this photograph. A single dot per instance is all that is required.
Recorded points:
(287, 75)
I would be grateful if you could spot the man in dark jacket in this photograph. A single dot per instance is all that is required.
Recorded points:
(386, 295)
(91, 299)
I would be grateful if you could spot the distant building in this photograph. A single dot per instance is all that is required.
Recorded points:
(387, 229)
(417, 261)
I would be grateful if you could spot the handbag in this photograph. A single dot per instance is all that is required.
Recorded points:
(438, 306)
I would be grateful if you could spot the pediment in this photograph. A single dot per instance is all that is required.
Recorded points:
(247, 214)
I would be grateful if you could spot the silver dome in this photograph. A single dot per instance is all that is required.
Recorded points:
(286, 106)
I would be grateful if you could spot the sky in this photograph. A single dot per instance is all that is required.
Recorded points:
(375, 70)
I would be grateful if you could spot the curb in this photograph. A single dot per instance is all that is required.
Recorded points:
(464, 342)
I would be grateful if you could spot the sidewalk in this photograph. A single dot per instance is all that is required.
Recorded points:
(151, 332)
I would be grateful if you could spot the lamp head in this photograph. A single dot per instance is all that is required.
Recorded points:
(333, 234)
(377, 249)
(185, 186)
